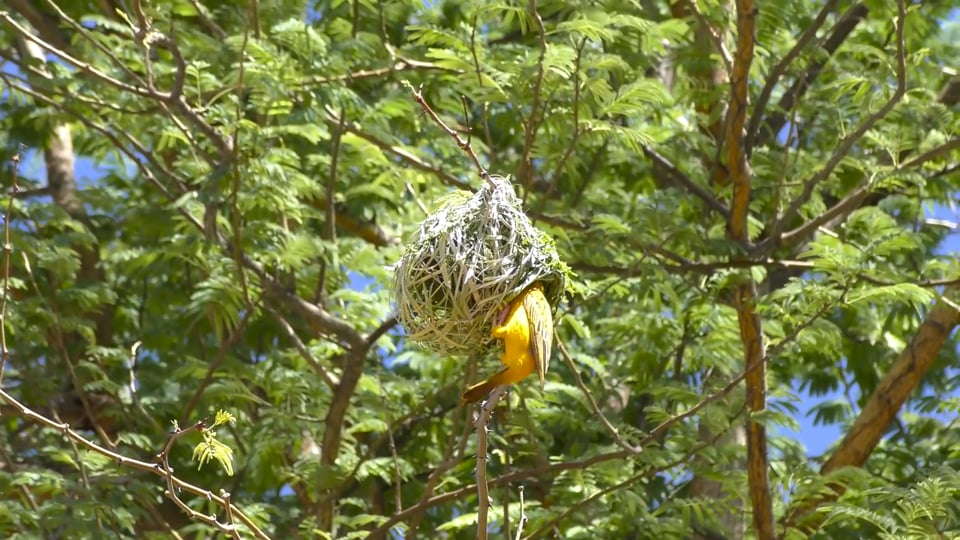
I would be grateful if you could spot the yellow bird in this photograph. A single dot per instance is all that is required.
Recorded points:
(526, 328)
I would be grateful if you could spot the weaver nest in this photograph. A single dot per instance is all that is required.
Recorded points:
(471, 257)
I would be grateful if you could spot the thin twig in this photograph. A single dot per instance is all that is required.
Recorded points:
(404, 155)
(218, 360)
(462, 144)
(59, 344)
(572, 145)
(158, 469)
(523, 517)
(933, 153)
(593, 403)
(401, 65)
(483, 490)
(485, 118)
(531, 125)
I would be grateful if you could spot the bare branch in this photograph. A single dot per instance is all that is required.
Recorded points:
(333, 119)
(483, 491)
(593, 403)
(153, 468)
(464, 145)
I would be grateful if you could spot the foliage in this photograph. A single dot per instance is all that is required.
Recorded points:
(246, 176)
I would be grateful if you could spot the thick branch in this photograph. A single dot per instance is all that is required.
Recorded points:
(736, 118)
(880, 410)
(745, 300)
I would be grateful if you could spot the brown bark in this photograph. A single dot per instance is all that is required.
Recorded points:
(883, 405)
(751, 333)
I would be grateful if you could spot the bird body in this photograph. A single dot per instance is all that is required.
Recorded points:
(526, 328)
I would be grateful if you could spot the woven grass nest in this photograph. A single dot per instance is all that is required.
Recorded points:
(471, 257)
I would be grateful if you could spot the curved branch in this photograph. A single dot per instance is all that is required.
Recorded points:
(144, 466)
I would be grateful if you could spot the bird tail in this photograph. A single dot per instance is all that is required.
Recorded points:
(480, 390)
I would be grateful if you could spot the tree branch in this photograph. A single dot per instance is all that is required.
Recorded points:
(883, 405)
(333, 119)
(531, 123)
(841, 152)
(841, 30)
(152, 468)
(745, 294)
(483, 454)
(683, 181)
(781, 68)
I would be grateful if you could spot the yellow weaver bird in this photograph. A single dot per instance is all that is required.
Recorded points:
(526, 328)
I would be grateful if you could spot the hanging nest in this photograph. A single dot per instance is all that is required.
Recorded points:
(470, 258)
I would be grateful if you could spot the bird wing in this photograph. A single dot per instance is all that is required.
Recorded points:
(541, 328)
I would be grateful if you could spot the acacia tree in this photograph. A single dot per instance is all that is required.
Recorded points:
(743, 192)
